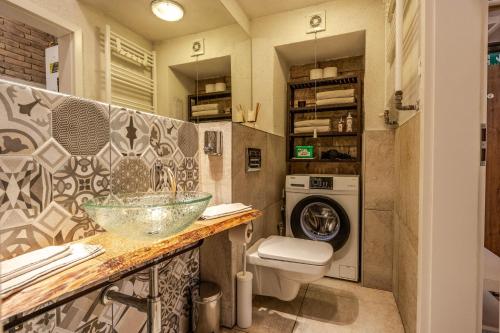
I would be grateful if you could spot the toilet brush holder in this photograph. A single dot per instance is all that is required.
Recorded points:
(244, 299)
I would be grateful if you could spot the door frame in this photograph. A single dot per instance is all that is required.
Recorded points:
(451, 226)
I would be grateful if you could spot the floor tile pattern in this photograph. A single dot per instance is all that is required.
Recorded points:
(58, 151)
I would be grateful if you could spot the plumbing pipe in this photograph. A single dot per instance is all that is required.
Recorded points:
(398, 56)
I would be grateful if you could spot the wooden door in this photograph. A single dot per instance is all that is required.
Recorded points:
(492, 218)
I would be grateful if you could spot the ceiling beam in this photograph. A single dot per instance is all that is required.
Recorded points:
(234, 8)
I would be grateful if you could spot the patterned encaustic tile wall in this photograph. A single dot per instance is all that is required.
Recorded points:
(56, 152)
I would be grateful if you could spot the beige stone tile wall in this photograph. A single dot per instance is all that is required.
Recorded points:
(406, 221)
(378, 209)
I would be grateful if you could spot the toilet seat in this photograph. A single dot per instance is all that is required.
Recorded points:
(296, 250)
(289, 260)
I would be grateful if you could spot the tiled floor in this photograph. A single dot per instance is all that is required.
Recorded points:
(327, 306)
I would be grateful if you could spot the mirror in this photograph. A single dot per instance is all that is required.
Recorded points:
(119, 52)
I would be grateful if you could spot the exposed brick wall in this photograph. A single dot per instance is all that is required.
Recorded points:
(22, 50)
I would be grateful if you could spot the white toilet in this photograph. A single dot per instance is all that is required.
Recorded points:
(281, 264)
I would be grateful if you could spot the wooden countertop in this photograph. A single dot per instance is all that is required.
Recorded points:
(121, 256)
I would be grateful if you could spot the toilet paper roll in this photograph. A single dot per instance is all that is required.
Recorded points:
(241, 234)
(244, 299)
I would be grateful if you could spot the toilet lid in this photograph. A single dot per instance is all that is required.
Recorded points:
(296, 250)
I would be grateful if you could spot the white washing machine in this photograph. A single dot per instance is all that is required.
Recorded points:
(326, 208)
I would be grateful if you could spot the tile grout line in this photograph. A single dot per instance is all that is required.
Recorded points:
(300, 308)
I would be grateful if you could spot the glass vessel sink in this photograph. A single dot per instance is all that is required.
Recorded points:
(147, 215)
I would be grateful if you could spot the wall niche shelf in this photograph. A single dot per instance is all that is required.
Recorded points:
(223, 98)
(302, 89)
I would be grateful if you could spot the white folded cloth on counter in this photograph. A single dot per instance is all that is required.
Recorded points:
(214, 212)
(336, 100)
(205, 113)
(77, 253)
(205, 107)
(335, 94)
(312, 122)
(310, 129)
(20, 265)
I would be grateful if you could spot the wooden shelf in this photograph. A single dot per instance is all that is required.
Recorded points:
(212, 95)
(323, 108)
(305, 135)
(313, 160)
(339, 80)
(212, 117)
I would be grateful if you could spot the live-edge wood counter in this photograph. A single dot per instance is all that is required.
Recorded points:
(121, 255)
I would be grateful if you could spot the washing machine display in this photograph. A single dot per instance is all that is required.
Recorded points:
(326, 208)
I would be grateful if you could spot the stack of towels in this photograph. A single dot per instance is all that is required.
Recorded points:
(308, 126)
(24, 270)
(214, 212)
(205, 109)
(335, 97)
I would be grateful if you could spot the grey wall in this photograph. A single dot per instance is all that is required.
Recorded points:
(227, 178)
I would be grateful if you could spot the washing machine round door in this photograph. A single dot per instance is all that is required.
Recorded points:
(321, 218)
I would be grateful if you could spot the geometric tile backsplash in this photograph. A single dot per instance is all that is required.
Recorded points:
(56, 152)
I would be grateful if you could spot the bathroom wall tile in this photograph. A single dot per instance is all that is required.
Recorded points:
(215, 171)
(163, 136)
(407, 283)
(79, 179)
(406, 221)
(130, 131)
(68, 154)
(109, 155)
(377, 249)
(24, 186)
(81, 126)
(51, 155)
(25, 118)
(187, 174)
(216, 265)
(379, 184)
(131, 175)
(188, 139)
(22, 238)
(252, 186)
(275, 167)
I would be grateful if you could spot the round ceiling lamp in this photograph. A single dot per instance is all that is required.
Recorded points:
(167, 10)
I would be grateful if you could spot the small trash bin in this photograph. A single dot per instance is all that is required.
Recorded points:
(206, 308)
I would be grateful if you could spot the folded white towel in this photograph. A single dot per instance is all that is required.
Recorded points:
(310, 129)
(205, 113)
(312, 122)
(204, 107)
(20, 265)
(224, 210)
(335, 93)
(337, 100)
(79, 253)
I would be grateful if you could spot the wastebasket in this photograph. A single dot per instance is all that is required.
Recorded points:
(206, 308)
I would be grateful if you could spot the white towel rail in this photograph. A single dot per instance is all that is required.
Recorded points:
(129, 67)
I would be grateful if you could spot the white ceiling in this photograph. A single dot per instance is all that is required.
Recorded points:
(200, 15)
(334, 47)
(258, 8)
(206, 68)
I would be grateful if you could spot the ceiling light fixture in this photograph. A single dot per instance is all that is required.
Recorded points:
(167, 10)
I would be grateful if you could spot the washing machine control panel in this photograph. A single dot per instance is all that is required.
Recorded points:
(321, 183)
